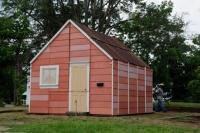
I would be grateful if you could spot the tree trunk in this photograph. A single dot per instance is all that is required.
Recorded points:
(86, 4)
(15, 93)
(17, 76)
(93, 11)
(78, 11)
(100, 25)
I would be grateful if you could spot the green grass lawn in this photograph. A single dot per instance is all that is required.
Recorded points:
(146, 123)
(96, 125)
(181, 104)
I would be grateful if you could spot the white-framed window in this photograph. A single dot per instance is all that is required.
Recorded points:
(49, 76)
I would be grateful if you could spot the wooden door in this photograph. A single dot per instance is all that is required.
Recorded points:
(79, 87)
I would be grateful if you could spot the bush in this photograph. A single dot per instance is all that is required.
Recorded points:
(2, 103)
(194, 89)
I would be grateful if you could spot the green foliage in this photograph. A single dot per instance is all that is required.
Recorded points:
(14, 53)
(196, 40)
(6, 61)
(194, 86)
(194, 63)
(22, 89)
(2, 104)
(6, 82)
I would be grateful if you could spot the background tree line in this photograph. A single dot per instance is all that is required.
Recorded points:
(150, 31)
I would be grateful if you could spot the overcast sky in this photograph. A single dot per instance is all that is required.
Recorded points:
(192, 7)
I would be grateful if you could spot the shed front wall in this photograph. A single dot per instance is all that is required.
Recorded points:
(69, 47)
(132, 89)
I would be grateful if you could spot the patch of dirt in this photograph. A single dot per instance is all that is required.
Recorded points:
(3, 128)
(183, 109)
(171, 118)
(14, 123)
(13, 109)
(188, 119)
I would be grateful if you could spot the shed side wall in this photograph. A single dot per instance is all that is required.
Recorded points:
(132, 89)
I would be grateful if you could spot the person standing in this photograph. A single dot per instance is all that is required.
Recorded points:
(160, 94)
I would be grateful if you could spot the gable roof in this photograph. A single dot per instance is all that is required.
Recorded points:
(110, 46)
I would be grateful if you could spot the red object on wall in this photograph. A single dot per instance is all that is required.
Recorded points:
(126, 81)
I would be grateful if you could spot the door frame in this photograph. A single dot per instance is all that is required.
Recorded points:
(88, 85)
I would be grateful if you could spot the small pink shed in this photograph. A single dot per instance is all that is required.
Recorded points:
(85, 71)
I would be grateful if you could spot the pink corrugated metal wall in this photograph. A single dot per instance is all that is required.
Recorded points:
(132, 89)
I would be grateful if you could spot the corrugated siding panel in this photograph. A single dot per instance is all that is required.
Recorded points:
(149, 80)
(133, 76)
(115, 88)
(58, 110)
(123, 88)
(101, 72)
(79, 46)
(58, 100)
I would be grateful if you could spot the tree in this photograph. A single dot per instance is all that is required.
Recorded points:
(47, 16)
(158, 38)
(6, 82)
(6, 56)
(194, 86)
(194, 64)
(14, 34)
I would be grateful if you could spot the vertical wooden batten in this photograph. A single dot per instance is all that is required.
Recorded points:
(30, 88)
(112, 85)
(69, 89)
(128, 89)
(118, 87)
(137, 89)
(145, 86)
(89, 76)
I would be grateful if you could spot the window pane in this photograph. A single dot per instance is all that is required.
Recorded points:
(45, 76)
(53, 76)
(49, 75)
